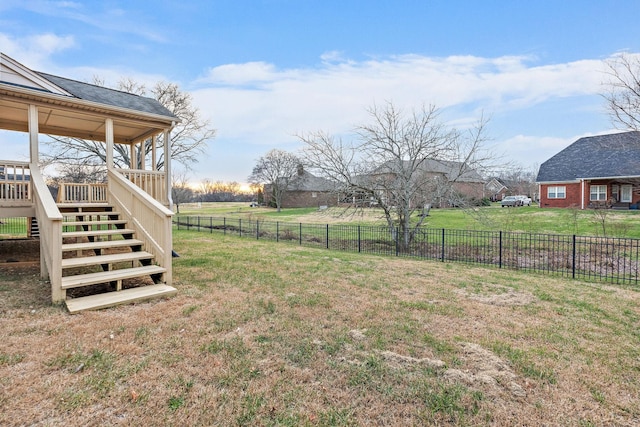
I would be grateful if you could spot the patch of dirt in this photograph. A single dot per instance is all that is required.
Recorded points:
(398, 360)
(19, 251)
(508, 298)
(486, 369)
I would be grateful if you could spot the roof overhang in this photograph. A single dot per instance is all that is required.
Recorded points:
(576, 181)
(588, 178)
(610, 177)
(63, 115)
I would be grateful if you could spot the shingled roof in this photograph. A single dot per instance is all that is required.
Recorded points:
(453, 171)
(306, 181)
(103, 95)
(602, 156)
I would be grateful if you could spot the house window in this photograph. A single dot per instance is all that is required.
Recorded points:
(626, 193)
(598, 193)
(314, 194)
(557, 192)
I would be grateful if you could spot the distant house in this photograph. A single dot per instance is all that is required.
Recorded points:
(496, 189)
(305, 190)
(444, 183)
(596, 171)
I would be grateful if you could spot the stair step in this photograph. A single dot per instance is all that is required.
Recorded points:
(93, 214)
(105, 259)
(112, 232)
(127, 296)
(99, 222)
(83, 205)
(100, 245)
(69, 282)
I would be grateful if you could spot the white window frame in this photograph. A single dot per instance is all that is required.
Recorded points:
(626, 193)
(599, 191)
(557, 192)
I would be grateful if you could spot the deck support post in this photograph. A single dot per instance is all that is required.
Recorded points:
(167, 166)
(33, 134)
(108, 135)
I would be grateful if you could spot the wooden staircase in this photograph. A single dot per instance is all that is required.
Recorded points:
(103, 264)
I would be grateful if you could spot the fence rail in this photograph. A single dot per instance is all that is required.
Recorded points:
(13, 228)
(614, 260)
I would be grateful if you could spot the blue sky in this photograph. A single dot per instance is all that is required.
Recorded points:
(262, 71)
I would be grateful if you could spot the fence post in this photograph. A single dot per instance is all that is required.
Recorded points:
(397, 241)
(442, 251)
(277, 231)
(573, 263)
(300, 236)
(500, 251)
(257, 229)
(210, 224)
(224, 225)
(240, 226)
(327, 236)
(198, 223)
(359, 248)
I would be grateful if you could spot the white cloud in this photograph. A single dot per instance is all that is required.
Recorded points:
(256, 97)
(258, 104)
(34, 51)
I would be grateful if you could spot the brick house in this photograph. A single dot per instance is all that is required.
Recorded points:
(496, 189)
(306, 190)
(442, 183)
(594, 172)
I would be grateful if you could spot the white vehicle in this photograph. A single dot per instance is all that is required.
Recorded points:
(525, 201)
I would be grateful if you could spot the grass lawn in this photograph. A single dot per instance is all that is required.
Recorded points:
(525, 219)
(268, 334)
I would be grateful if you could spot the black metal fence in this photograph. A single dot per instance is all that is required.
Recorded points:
(13, 228)
(615, 260)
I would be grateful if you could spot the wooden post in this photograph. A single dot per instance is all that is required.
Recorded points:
(133, 161)
(143, 154)
(154, 143)
(108, 134)
(33, 134)
(167, 166)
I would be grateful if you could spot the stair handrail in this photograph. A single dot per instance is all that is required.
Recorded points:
(148, 217)
(50, 224)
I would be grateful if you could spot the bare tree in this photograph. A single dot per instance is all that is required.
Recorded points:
(390, 163)
(181, 192)
(188, 138)
(220, 191)
(276, 170)
(623, 91)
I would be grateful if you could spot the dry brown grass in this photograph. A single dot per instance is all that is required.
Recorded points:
(272, 334)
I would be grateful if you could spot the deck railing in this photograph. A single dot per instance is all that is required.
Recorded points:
(15, 182)
(148, 217)
(50, 223)
(82, 193)
(152, 182)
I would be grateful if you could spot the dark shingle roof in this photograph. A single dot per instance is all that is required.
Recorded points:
(103, 95)
(310, 182)
(453, 171)
(613, 155)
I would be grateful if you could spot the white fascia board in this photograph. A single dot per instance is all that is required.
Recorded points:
(30, 76)
(612, 177)
(558, 182)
